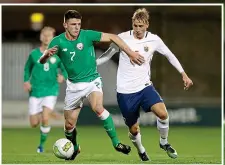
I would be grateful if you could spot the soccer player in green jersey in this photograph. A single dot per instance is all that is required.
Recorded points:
(42, 83)
(76, 51)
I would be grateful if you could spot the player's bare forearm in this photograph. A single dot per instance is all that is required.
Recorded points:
(43, 59)
(48, 53)
(118, 41)
(123, 46)
(134, 56)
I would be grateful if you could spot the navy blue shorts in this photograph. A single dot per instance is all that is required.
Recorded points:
(130, 104)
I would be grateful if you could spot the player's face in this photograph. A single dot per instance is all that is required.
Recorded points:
(139, 28)
(46, 36)
(73, 26)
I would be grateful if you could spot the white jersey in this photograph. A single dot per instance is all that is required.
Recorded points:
(134, 78)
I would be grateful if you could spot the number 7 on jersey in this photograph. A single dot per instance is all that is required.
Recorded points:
(73, 54)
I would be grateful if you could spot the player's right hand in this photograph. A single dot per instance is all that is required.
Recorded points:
(48, 53)
(136, 58)
(27, 86)
(51, 51)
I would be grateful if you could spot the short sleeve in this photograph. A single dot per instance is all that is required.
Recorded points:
(93, 36)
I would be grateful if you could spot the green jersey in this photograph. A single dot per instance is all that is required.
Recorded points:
(43, 77)
(78, 56)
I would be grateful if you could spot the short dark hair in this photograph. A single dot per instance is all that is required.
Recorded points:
(72, 14)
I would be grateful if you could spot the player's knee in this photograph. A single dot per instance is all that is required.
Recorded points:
(45, 120)
(134, 129)
(98, 109)
(34, 124)
(34, 121)
(163, 115)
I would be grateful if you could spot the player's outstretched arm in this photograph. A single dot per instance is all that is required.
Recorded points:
(134, 56)
(163, 49)
(113, 49)
(48, 53)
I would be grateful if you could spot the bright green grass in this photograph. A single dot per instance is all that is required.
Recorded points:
(193, 144)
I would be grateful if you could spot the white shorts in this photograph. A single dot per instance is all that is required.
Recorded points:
(36, 104)
(77, 92)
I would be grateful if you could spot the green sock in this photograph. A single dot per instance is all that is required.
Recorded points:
(72, 136)
(43, 138)
(111, 130)
(44, 133)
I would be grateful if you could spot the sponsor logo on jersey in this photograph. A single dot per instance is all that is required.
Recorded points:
(64, 49)
(52, 60)
(80, 46)
(146, 48)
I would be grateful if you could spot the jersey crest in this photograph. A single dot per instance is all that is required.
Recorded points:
(52, 60)
(80, 46)
(146, 48)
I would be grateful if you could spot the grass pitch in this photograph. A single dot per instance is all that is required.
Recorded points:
(195, 145)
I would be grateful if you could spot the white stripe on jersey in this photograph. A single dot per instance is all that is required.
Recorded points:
(133, 78)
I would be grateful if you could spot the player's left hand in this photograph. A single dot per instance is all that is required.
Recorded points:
(136, 58)
(60, 78)
(187, 81)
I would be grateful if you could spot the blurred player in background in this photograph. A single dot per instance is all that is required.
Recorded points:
(76, 51)
(134, 88)
(42, 83)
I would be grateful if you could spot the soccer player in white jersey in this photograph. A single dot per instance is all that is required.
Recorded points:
(134, 87)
